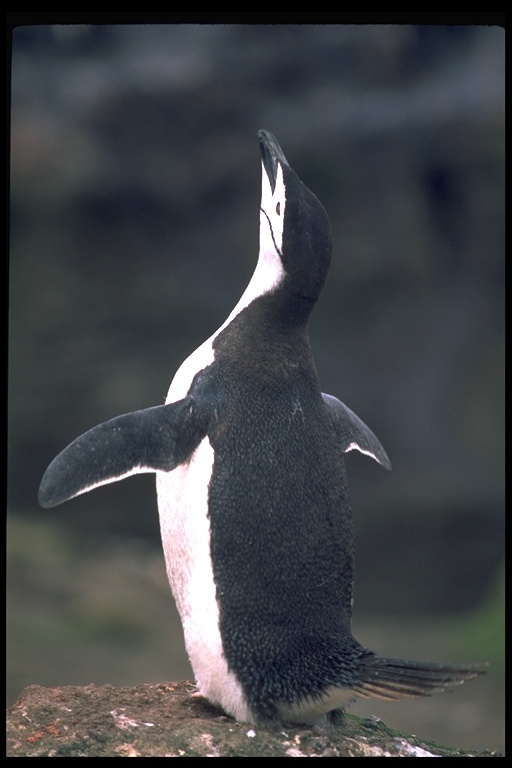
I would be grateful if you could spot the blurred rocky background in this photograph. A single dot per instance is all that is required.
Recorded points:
(135, 183)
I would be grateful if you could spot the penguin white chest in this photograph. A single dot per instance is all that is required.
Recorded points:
(185, 529)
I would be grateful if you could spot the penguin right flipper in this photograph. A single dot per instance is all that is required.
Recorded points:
(149, 440)
(393, 679)
(353, 433)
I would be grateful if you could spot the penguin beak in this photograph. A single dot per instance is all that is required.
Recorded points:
(271, 156)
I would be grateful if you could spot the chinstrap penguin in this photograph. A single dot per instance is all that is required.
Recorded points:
(253, 499)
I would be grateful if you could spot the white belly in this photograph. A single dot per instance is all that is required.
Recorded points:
(185, 529)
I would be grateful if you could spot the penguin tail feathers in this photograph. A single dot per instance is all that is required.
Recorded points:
(393, 679)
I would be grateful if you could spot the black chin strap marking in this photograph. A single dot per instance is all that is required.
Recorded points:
(272, 233)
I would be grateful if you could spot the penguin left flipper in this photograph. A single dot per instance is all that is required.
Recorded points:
(158, 438)
(353, 433)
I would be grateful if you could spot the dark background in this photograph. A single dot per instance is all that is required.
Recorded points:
(135, 183)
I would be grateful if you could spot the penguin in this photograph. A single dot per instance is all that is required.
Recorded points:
(254, 505)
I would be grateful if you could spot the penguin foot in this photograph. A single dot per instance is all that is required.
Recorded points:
(199, 699)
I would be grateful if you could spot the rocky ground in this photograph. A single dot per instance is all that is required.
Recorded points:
(166, 720)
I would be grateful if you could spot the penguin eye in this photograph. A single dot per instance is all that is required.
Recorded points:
(278, 209)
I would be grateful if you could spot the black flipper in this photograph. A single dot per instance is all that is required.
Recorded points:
(149, 440)
(353, 433)
(393, 679)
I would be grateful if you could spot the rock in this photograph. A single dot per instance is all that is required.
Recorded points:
(167, 720)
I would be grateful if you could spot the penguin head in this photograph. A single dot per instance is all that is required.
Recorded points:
(295, 233)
